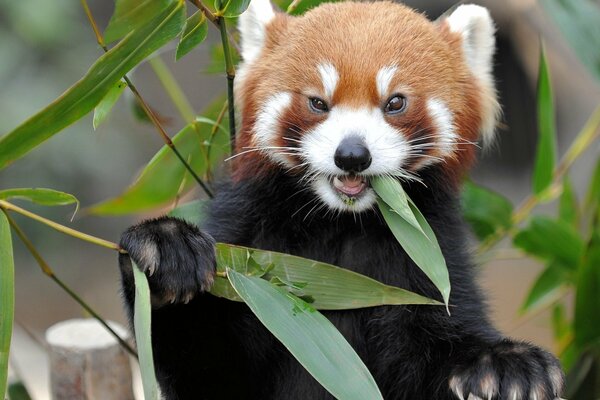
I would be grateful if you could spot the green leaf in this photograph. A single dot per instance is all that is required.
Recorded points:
(132, 14)
(106, 104)
(593, 196)
(331, 287)
(391, 191)
(545, 159)
(587, 301)
(486, 211)
(231, 8)
(195, 144)
(7, 298)
(547, 288)
(82, 97)
(192, 212)
(550, 240)
(420, 244)
(142, 327)
(568, 208)
(194, 33)
(309, 336)
(18, 391)
(560, 325)
(45, 197)
(578, 21)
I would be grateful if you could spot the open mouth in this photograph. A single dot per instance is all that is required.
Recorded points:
(350, 187)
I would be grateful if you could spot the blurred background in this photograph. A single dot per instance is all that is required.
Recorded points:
(46, 46)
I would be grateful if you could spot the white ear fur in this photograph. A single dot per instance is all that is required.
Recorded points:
(476, 27)
(252, 25)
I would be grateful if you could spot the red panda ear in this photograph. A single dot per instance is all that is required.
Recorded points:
(252, 25)
(476, 28)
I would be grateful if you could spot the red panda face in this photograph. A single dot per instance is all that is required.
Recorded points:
(356, 90)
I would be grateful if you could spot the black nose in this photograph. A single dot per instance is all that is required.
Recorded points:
(352, 155)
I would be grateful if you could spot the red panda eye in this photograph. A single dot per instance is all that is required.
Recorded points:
(395, 104)
(318, 105)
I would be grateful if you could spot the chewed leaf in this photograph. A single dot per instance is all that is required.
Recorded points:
(309, 336)
(391, 191)
(331, 287)
(421, 246)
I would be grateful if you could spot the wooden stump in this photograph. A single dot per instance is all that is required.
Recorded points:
(87, 363)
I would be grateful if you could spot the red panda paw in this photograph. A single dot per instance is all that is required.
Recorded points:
(509, 371)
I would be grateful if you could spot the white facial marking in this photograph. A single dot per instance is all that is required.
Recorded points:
(266, 129)
(329, 78)
(445, 136)
(384, 78)
(386, 144)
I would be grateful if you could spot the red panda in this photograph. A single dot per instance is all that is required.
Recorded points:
(328, 100)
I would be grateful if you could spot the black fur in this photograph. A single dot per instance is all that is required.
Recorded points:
(212, 348)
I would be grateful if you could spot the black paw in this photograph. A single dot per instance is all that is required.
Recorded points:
(509, 371)
(177, 257)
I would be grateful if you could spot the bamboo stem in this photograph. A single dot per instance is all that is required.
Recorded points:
(145, 106)
(50, 273)
(230, 71)
(586, 137)
(61, 228)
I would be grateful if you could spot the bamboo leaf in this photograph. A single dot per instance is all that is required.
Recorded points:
(331, 287)
(107, 103)
(194, 33)
(7, 299)
(593, 195)
(43, 196)
(587, 301)
(192, 212)
(231, 8)
(484, 210)
(550, 240)
(545, 159)
(420, 244)
(568, 208)
(142, 324)
(193, 143)
(83, 96)
(392, 193)
(130, 15)
(309, 336)
(546, 288)
(18, 391)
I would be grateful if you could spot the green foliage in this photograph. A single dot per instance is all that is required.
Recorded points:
(194, 33)
(142, 322)
(545, 159)
(82, 97)
(413, 232)
(107, 103)
(309, 336)
(45, 197)
(325, 286)
(132, 14)
(231, 8)
(7, 298)
(486, 211)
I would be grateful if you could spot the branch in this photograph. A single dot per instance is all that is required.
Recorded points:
(145, 106)
(50, 273)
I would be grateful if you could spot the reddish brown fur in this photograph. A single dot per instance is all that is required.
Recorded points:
(359, 39)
